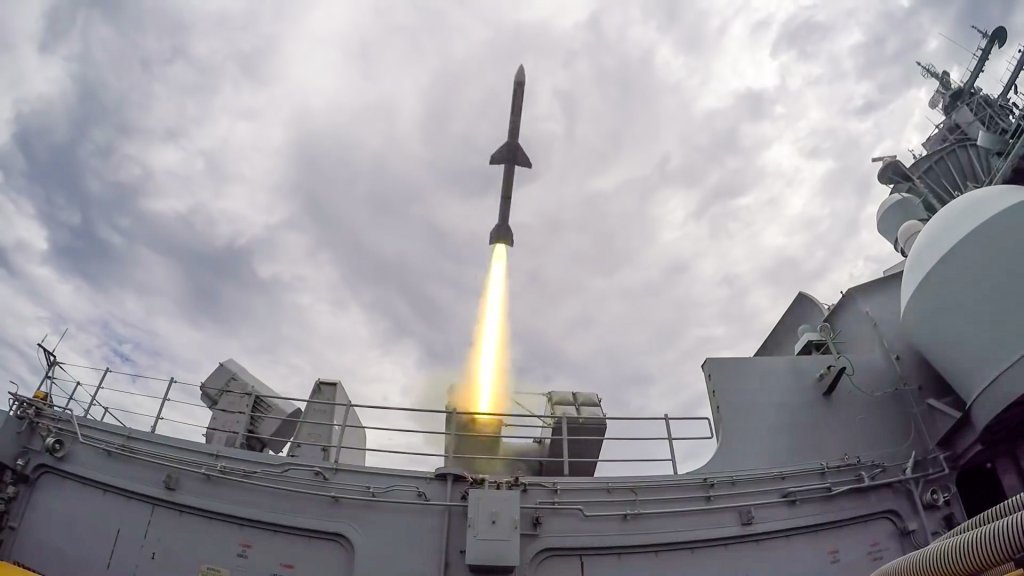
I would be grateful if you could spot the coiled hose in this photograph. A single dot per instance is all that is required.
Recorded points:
(1001, 570)
(971, 552)
(1011, 506)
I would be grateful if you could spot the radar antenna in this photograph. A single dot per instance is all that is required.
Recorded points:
(928, 70)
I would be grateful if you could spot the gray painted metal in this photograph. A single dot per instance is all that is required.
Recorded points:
(895, 211)
(318, 438)
(993, 39)
(492, 531)
(392, 521)
(1011, 80)
(854, 547)
(246, 413)
(949, 172)
(151, 539)
(576, 436)
(805, 309)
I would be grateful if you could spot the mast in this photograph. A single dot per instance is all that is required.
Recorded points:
(1012, 80)
(997, 36)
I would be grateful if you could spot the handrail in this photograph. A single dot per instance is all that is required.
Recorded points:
(71, 397)
(142, 406)
(596, 507)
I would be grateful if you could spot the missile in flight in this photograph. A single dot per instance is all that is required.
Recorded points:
(510, 154)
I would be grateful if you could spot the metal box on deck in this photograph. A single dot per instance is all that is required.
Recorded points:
(492, 531)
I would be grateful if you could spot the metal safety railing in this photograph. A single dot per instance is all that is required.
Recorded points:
(808, 481)
(399, 437)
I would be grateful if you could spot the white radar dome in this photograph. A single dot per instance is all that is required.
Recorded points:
(960, 296)
(894, 211)
(907, 235)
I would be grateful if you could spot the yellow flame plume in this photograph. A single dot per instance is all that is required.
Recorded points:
(484, 388)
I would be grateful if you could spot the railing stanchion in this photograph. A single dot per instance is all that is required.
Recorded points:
(449, 451)
(96, 392)
(341, 431)
(72, 395)
(565, 446)
(163, 401)
(453, 453)
(671, 444)
(449, 445)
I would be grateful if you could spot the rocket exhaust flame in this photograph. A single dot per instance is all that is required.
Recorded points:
(485, 385)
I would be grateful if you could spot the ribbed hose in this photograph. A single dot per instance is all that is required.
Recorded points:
(1001, 570)
(1011, 506)
(965, 555)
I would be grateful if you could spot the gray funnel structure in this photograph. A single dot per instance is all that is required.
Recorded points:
(995, 38)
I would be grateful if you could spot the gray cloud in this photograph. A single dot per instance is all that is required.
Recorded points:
(306, 189)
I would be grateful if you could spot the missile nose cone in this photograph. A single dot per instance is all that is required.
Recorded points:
(520, 75)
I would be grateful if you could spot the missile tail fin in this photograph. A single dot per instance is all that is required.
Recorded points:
(511, 153)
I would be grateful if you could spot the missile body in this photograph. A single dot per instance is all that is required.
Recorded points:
(510, 154)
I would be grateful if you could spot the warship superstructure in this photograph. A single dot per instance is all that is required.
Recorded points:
(880, 434)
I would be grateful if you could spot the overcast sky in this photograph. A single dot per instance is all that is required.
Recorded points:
(304, 186)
